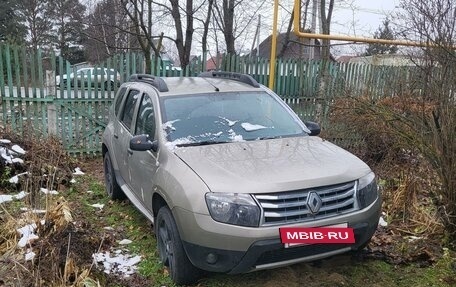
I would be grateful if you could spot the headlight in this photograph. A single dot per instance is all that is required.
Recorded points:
(233, 208)
(367, 190)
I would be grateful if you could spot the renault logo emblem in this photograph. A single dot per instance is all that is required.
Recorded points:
(313, 202)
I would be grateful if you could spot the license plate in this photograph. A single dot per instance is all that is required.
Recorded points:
(332, 234)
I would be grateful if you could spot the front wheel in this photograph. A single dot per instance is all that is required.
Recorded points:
(171, 250)
(112, 187)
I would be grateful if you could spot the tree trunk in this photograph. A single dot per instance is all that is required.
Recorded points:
(228, 19)
(325, 25)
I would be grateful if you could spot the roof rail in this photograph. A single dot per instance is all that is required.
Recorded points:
(243, 78)
(157, 82)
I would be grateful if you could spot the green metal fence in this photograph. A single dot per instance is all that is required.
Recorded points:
(42, 92)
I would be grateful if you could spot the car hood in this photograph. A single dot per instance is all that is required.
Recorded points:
(272, 165)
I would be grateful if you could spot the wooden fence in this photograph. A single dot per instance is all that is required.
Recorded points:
(38, 91)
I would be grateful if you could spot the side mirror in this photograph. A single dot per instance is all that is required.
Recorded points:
(142, 143)
(314, 128)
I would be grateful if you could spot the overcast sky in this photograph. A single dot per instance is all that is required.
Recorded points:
(359, 18)
(362, 18)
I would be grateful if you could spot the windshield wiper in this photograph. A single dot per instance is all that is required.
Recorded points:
(269, 137)
(207, 142)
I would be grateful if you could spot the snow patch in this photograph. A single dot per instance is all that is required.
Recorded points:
(230, 122)
(382, 222)
(34, 211)
(11, 197)
(8, 159)
(78, 171)
(117, 263)
(18, 149)
(169, 125)
(235, 137)
(97, 205)
(29, 255)
(412, 238)
(28, 234)
(172, 145)
(125, 241)
(73, 180)
(15, 179)
(248, 127)
(5, 141)
(17, 160)
(47, 191)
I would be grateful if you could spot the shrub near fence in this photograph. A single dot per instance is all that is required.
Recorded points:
(77, 112)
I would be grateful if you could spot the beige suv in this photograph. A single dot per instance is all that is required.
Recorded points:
(219, 163)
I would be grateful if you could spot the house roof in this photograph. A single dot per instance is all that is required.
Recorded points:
(345, 58)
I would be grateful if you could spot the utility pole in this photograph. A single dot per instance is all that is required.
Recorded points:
(256, 38)
(258, 35)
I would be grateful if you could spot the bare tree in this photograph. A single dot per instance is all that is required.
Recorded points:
(206, 24)
(183, 44)
(233, 18)
(108, 31)
(325, 20)
(140, 14)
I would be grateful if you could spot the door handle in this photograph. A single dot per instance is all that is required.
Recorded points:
(116, 136)
(130, 151)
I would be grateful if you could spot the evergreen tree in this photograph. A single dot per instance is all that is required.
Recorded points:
(383, 32)
(35, 14)
(11, 23)
(67, 19)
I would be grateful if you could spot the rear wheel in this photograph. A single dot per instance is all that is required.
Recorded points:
(171, 250)
(112, 188)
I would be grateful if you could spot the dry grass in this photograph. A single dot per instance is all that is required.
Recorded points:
(59, 260)
(409, 184)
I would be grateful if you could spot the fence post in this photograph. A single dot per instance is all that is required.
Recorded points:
(52, 118)
(51, 109)
(50, 83)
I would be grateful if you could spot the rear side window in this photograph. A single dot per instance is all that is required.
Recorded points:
(129, 108)
(119, 98)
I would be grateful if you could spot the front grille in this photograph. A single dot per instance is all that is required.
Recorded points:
(292, 207)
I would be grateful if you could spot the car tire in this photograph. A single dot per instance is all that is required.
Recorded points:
(112, 187)
(171, 250)
(109, 86)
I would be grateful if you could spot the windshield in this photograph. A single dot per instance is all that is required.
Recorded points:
(226, 117)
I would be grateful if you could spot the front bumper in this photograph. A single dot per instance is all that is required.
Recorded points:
(263, 252)
(266, 254)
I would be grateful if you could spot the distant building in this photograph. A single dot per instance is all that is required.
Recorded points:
(214, 62)
(297, 48)
(387, 60)
(345, 58)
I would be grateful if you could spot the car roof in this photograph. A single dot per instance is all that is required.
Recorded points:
(199, 85)
(173, 86)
